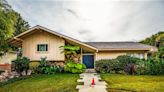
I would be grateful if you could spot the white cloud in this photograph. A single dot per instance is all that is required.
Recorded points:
(95, 20)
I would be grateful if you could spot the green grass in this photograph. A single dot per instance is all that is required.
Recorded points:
(134, 83)
(44, 83)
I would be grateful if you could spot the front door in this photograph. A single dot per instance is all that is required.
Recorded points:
(88, 60)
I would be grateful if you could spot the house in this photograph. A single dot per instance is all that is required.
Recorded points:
(40, 42)
(5, 60)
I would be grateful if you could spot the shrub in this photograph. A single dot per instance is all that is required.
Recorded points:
(107, 66)
(103, 66)
(74, 67)
(43, 62)
(51, 69)
(128, 63)
(44, 68)
(21, 64)
(151, 67)
(124, 60)
(131, 65)
(121, 63)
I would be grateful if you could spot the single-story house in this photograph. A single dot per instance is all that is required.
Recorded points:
(5, 60)
(40, 42)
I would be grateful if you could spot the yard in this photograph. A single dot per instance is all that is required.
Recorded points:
(67, 83)
(44, 83)
(134, 83)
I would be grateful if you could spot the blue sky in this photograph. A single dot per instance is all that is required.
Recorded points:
(95, 20)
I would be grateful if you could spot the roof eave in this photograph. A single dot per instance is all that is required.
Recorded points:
(123, 49)
(53, 32)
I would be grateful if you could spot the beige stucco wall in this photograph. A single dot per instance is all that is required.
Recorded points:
(7, 58)
(108, 55)
(115, 54)
(29, 46)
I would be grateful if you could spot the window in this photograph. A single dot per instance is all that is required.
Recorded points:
(42, 47)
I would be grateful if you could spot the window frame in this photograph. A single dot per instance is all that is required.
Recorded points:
(44, 50)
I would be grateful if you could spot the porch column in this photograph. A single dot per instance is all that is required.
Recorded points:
(95, 58)
(145, 55)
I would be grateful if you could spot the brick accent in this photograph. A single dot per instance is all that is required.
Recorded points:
(5, 67)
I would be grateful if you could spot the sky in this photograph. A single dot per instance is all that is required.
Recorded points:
(95, 20)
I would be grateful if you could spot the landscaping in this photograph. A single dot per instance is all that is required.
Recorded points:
(44, 83)
(131, 65)
(131, 74)
(134, 83)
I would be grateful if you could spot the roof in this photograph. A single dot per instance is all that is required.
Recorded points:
(92, 45)
(53, 32)
(119, 45)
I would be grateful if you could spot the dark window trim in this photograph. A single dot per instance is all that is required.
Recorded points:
(44, 50)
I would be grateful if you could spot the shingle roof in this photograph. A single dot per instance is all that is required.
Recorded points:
(119, 45)
(50, 31)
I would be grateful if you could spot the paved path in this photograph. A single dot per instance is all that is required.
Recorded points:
(86, 79)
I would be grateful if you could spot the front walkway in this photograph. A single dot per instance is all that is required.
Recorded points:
(86, 79)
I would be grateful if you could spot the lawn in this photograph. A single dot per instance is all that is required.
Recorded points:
(44, 83)
(134, 83)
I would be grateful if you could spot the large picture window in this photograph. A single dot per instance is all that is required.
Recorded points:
(42, 47)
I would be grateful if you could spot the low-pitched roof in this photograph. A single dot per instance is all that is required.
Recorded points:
(101, 46)
(52, 32)
(119, 45)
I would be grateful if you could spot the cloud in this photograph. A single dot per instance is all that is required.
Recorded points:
(95, 20)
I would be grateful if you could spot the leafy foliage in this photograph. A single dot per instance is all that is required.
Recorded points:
(103, 66)
(45, 68)
(11, 23)
(20, 25)
(51, 69)
(158, 41)
(122, 63)
(154, 39)
(131, 65)
(21, 64)
(70, 51)
(43, 62)
(74, 67)
(151, 67)
(127, 63)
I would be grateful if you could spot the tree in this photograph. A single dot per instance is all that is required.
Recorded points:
(70, 51)
(4, 5)
(154, 39)
(7, 20)
(11, 23)
(158, 41)
(20, 25)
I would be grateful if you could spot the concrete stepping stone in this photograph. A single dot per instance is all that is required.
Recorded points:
(86, 78)
(102, 83)
(93, 89)
(80, 80)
